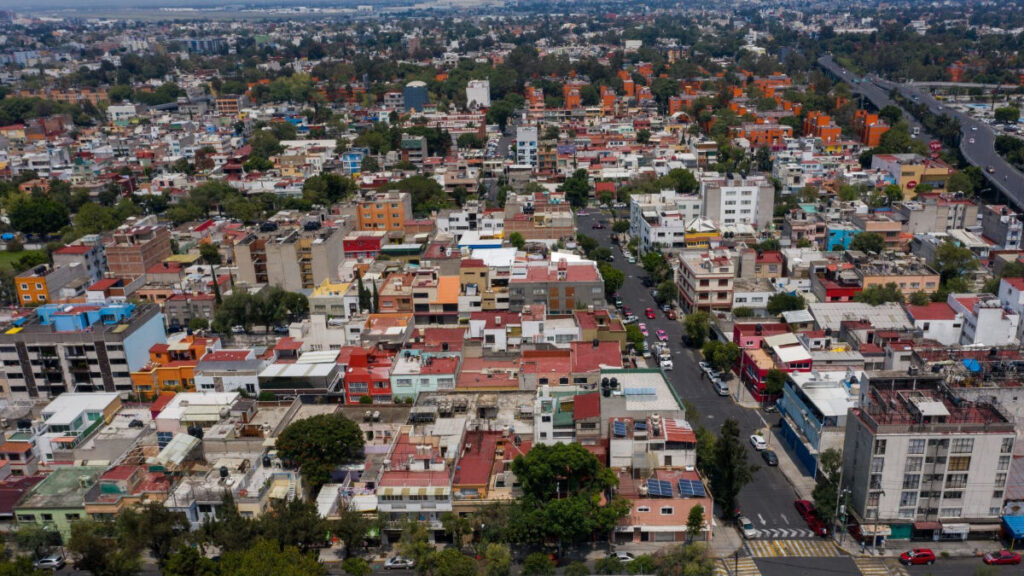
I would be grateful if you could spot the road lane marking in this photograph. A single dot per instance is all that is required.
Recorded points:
(761, 518)
(784, 519)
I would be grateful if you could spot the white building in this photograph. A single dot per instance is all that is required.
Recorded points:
(659, 221)
(986, 321)
(120, 113)
(938, 321)
(478, 94)
(526, 145)
(737, 200)
(1011, 294)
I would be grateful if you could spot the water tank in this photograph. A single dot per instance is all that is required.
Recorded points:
(223, 471)
(266, 461)
(615, 383)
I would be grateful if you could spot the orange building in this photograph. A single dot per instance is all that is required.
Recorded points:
(607, 100)
(821, 126)
(675, 104)
(763, 134)
(386, 211)
(571, 92)
(629, 87)
(870, 127)
(171, 367)
(535, 98)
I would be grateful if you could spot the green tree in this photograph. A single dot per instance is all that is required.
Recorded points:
(784, 302)
(264, 144)
(667, 291)
(96, 548)
(774, 381)
(498, 560)
(891, 114)
(691, 560)
(681, 180)
(643, 136)
(620, 226)
(35, 539)
(365, 302)
(642, 564)
(328, 189)
(516, 239)
(38, 215)
(294, 523)
(577, 188)
(877, 295)
(197, 323)
(696, 326)
(721, 355)
(153, 527)
(893, 193)
(415, 544)
(188, 561)
(868, 242)
(1007, 114)
(451, 562)
(961, 182)
(356, 567)
(826, 490)
(455, 526)
(768, 245)
(920, 298)
(577, 569)
(351, 527)
(655, 265)
(369, 164)
(613, 277)
(266, 558)
(635, 337)
(694, 522)
(730, 471)
(538, 564)
(952, 260)
(319, 444)
(608, 565)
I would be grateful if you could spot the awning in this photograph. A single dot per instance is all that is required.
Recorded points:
(1014, 526)
(927, 526)
(985, 528)
(956, 528)
(875, 530)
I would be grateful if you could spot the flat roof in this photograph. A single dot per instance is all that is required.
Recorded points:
(70, 405)
(62, 488)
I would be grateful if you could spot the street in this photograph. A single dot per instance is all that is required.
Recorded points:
(768, 500)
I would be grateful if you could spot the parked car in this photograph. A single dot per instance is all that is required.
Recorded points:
(1001, 557)
(598, 226)
(649, 313)
(770, 458)
(818, 526)
(747, 527)
(399, 563)
(281, 330)
(757, 441)
(623, 557)
(720, 387)
(805, 508)
(643, 329)
(666, 364)
(662, 335)
(670, 314)
(917, 556)
(52, 562)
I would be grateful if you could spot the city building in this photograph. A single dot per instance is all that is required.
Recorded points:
(1002, 225)
(562, 286)
(88, 257)
(387, 211)
(415, 96)
(59, 500)
(705, 280)
(134, 250)
(526, 145)
(478, 94)
(910, 171)
(738, 200)
(291, 259)
(46, 283)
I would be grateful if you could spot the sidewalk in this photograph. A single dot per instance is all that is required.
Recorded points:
(802, 483)
(725, 540)
(965, 549)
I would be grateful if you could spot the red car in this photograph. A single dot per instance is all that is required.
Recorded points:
(917, 556)
(649, 313)
(817, 526)
(1001, 557)
(805, 508)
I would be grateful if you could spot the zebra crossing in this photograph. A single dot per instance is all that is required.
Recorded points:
(734, 567)
(872, 566)
(792, 548)
(784, 533)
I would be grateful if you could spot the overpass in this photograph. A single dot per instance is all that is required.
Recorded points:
(1003, 176)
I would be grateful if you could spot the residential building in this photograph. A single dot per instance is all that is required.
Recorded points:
(921, 459)
(415, 96)
(125, 486)
(938, 321)
(89, 257)
(171, 366)
(563, 286)
(416, 484)
(294, 260)
(889, 229)
(758, 135)
(931, 212)
(78, 347)
(133, 250)
(869, 128)
(738, 200)
(387, 211)
(415, 372)
(526, 145)
(67, 422)
(312, 373)
(46, 283)
(230, 370)
(909, 171)
(478, 94)
(661, 221)
(986, 321)
(367, 374)
(59, 500)
(705, 280)
(814, 408)
(1002, 225)
(179, 309)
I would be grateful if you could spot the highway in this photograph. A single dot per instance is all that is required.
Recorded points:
(981, 153)
(768, 500)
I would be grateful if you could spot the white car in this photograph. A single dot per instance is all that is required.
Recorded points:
(54, 562)
(747, 527)
(623, 557)
(666, 364)
(704, 367)
(399, 563)
(758, 442)
(971, 141)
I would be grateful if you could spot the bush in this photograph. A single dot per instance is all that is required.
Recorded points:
(366, 400)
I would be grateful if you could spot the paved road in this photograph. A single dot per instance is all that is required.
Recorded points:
(768, 500)
(836, 566)
(981, 153)
(960, 567)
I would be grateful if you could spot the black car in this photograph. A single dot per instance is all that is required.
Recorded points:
(770, 458)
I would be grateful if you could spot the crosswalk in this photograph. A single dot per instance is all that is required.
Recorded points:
(792, 548)
(736, 567)
(784, 533)
(872, 566)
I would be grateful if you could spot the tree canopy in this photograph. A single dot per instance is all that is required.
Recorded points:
(320, 444)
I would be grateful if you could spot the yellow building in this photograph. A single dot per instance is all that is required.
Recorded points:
(911, 171)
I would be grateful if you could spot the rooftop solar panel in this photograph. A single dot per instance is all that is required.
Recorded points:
(691, 489)
(619, 429)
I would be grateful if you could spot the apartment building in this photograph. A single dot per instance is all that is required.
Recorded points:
(46, 283)
(734, 199)
(90, 257)
(705, 280)
(923, 460)
(78, 347)
(660, 221)
(772, 135)
(526, 145)
(133, 250)
(387, 211)
(986, 321)
(869, 128)
(933, 213)
(909, 171)
(1002, 225)
(171, 366)
(563, 286)
(293, 260)
(886, 227)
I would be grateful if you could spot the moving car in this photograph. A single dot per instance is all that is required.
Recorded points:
(1001, 557)
(649, 312)
(747, 527)
(917, 556)
(971, 141)
(990, 169)
(399, 563)
(623, 557)
(757, 441)
(662, 335)
(671, 314)
(770, 458)
(52, 562)
(643, 329)
(666, 364)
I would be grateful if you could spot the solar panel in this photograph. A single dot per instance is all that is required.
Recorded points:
(640, 392)
(659, 488)
(619, 429)
(691, 489)
(640, 425)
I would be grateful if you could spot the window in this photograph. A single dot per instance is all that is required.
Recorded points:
(876, 482)
(911, 482)
(916, 445)
(914, 464)
(908, 499)
(1007, 446)
(962, 446)
(956, 481)
(950, 512)
(47, 517)
(879, 447)
(74, 516)
(959, 464)
(1001, 479)
(1004, 463)
(643, 509)
(877, 464)
(26, 518)
(873, 499)
(998, 495)
(953, 495)
(667, 510)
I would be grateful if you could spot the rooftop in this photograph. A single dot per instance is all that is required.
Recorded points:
(65, 488)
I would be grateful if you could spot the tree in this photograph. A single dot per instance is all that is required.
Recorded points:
(328, 189)
(696, 327)
(577, 569)
(891, 114)
(809, 194)
(451, 562)
(877, 295)
(38, 215)
(635, 337)
(620, 226)
(351, 527)
(577, 188)
(893, 193)
(642, 564)
(153, 527)
(197, 323)
(455, 526)
(365, 303)
(681, 180)
(469, 140)
(655, 265)
(826, 490)
(295, 523)
(35, 539)
(415, 544)
(209, 254)
(356, 567)
(920, 298)
(784, 302)
(643, 136)
(516, 239)
(730, 471)
(374, 298)
(266, 558)
(667, 291)
(960, 182)
(953, 260)
(498, 560)
(538, 564)
(369, 164)
(721, 355)
(768, 245)
(694, 522)
(32, 258)
(188, 561)
(1007, 114)
(691, 560)
(601, 254)
(21, 566)
(608, 565)
(774, 382)
(868, 242)
(319, 444)
(96, 548)
(613, 277)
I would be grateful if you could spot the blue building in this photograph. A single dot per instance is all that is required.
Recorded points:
(814, 407)
(352, 161)
(839, 236)
(416, 96)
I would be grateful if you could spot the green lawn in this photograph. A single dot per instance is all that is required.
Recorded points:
(9, 260)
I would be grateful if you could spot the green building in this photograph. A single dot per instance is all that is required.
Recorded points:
(59, 499)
